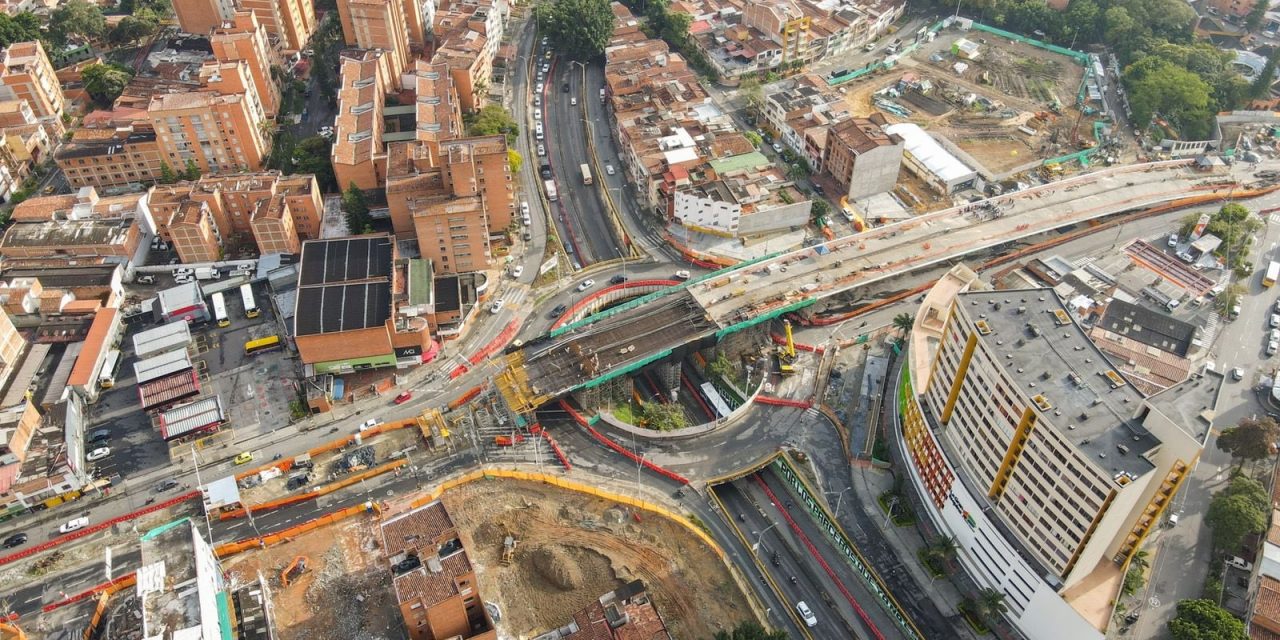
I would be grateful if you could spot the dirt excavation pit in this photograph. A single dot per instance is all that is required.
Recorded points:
(572, 548)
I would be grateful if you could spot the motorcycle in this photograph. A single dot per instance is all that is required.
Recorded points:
(793, 580)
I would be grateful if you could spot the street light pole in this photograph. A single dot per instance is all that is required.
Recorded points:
(893, 502)
(839, 499)
(756, 547)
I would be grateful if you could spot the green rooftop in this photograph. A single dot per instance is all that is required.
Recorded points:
(419, 282)
(739, 162)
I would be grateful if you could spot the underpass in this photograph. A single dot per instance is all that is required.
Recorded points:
(623, 339)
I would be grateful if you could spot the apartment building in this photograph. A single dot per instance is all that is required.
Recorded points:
(359, 156)
(379, 24)
(433, 578)
(201, 16)
(437, 112)
(28, 75)
(12, 347)
(862, 157)
(291, 21)
(747, 196)
(800, 111)
(454, 203)
(219, 132)
(53, 467)
(273, 229)
(266, 211)
(784, 23)
(194, 234)
(244, 38)
(110, 157)
(468, 33)
(1045, 463)
(181, 589)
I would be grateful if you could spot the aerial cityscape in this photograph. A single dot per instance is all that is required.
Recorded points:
(639, 320)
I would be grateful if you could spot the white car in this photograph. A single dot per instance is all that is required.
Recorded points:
(517, 271)
(1275, 321)
(546, 66)
(810, 620)
(369, 424)
(497, 305)
(1237, 374)
(184, 271)
(542, 150)
(682, 275)
(537, 101)
(538, 88)
(183, 279)
(526, 220)
(524, 208)
(1173, 240)
(608, 168)
(98, 454)
(573, 102)
(537, 114)
(586, 284)
(777, 148)
(1272, 348)
(74, 525)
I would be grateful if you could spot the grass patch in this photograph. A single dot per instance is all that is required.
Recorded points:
(973, 621)
(625, 413)
(903, 516)
(697, 522)
(930, 564)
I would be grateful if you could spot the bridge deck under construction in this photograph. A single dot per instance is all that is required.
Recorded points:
(588, 352)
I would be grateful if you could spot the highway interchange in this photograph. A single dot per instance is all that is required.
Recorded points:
(580, 214)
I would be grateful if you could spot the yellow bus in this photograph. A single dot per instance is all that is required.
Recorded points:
(269, 343)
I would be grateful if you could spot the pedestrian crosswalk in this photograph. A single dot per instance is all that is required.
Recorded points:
(1211, 326)
(1275, 217)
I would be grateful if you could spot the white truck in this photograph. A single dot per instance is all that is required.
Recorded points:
(207, 273)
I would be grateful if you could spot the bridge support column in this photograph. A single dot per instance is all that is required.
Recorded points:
(669, 374)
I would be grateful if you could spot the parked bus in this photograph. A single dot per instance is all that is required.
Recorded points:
(551, 190)
(250, 306)
(220, 310)
(586, 174)
(269, 343)
(1273, 272)
(110, 369)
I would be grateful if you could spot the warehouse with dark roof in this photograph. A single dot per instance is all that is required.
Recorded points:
(347, 309)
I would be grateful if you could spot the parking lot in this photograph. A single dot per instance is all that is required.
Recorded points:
(256, 391)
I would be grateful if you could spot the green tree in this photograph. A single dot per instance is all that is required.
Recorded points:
(1205, 620)
(131, 29)
(989, 605)
(1157, 86)
(105, 82)
(903, 323)
(192, 171)
(1261, 85)
(720, 367)
(754, 138)
(752, 93)
(1237, 511)
(1253, 21)
(167, 175)
(78, 18)
(23, 27)
(492, 120)
(1251, 439)
(751, 630)
(311, 155)
(578, 28)
(942, 549)
(663, 416)
(514, 161)
(819, 209)
(356, 206)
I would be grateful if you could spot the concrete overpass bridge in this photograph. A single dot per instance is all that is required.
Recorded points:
(618, 341)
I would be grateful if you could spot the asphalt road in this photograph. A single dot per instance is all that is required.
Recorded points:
(783, 557)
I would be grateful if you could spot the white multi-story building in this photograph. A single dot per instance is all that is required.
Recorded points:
(1026, 445)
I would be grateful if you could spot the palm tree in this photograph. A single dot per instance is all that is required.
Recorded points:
(902, 322)
(989, 605)
(943, 548)
(1139, 561)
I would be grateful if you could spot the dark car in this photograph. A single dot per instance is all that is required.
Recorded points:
(15, 540)
(618, 279)
(101, 435)
(565, 87)
(297, 482)
(166, 485)
(558, 311)
(545, 171)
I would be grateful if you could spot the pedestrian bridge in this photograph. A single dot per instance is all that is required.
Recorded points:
(620, 340)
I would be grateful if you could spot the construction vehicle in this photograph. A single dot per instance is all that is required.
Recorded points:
(787, 352)
(507, 441)
(509, 545)
(293, 570)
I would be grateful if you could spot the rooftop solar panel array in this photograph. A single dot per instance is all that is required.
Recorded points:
(344, 285)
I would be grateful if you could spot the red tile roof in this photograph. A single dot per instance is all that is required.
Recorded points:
(91, 352)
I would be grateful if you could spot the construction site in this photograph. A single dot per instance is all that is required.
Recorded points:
(540, 553)
(1004, 107)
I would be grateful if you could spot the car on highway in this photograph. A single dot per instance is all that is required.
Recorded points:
(184, 271)
(558, 311)
(166, 485)
(870, 46)
(682, 275)
(546, 66)
(537, 101)
(524, 207)
(608, 168)
(369, 424)
(538, 88)
(517, 271)
(565, 87)
(15, 540)
(98, 454)
(586, 284)
(1237, 374)
(243, 457)
(542, 150)
(184, 279)
(573, 102)
(618, 279)
(74, 525)
(810, 620)
(545, 171)
(537, 114)
(497, 305)
(526, 220)
(404, 397)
